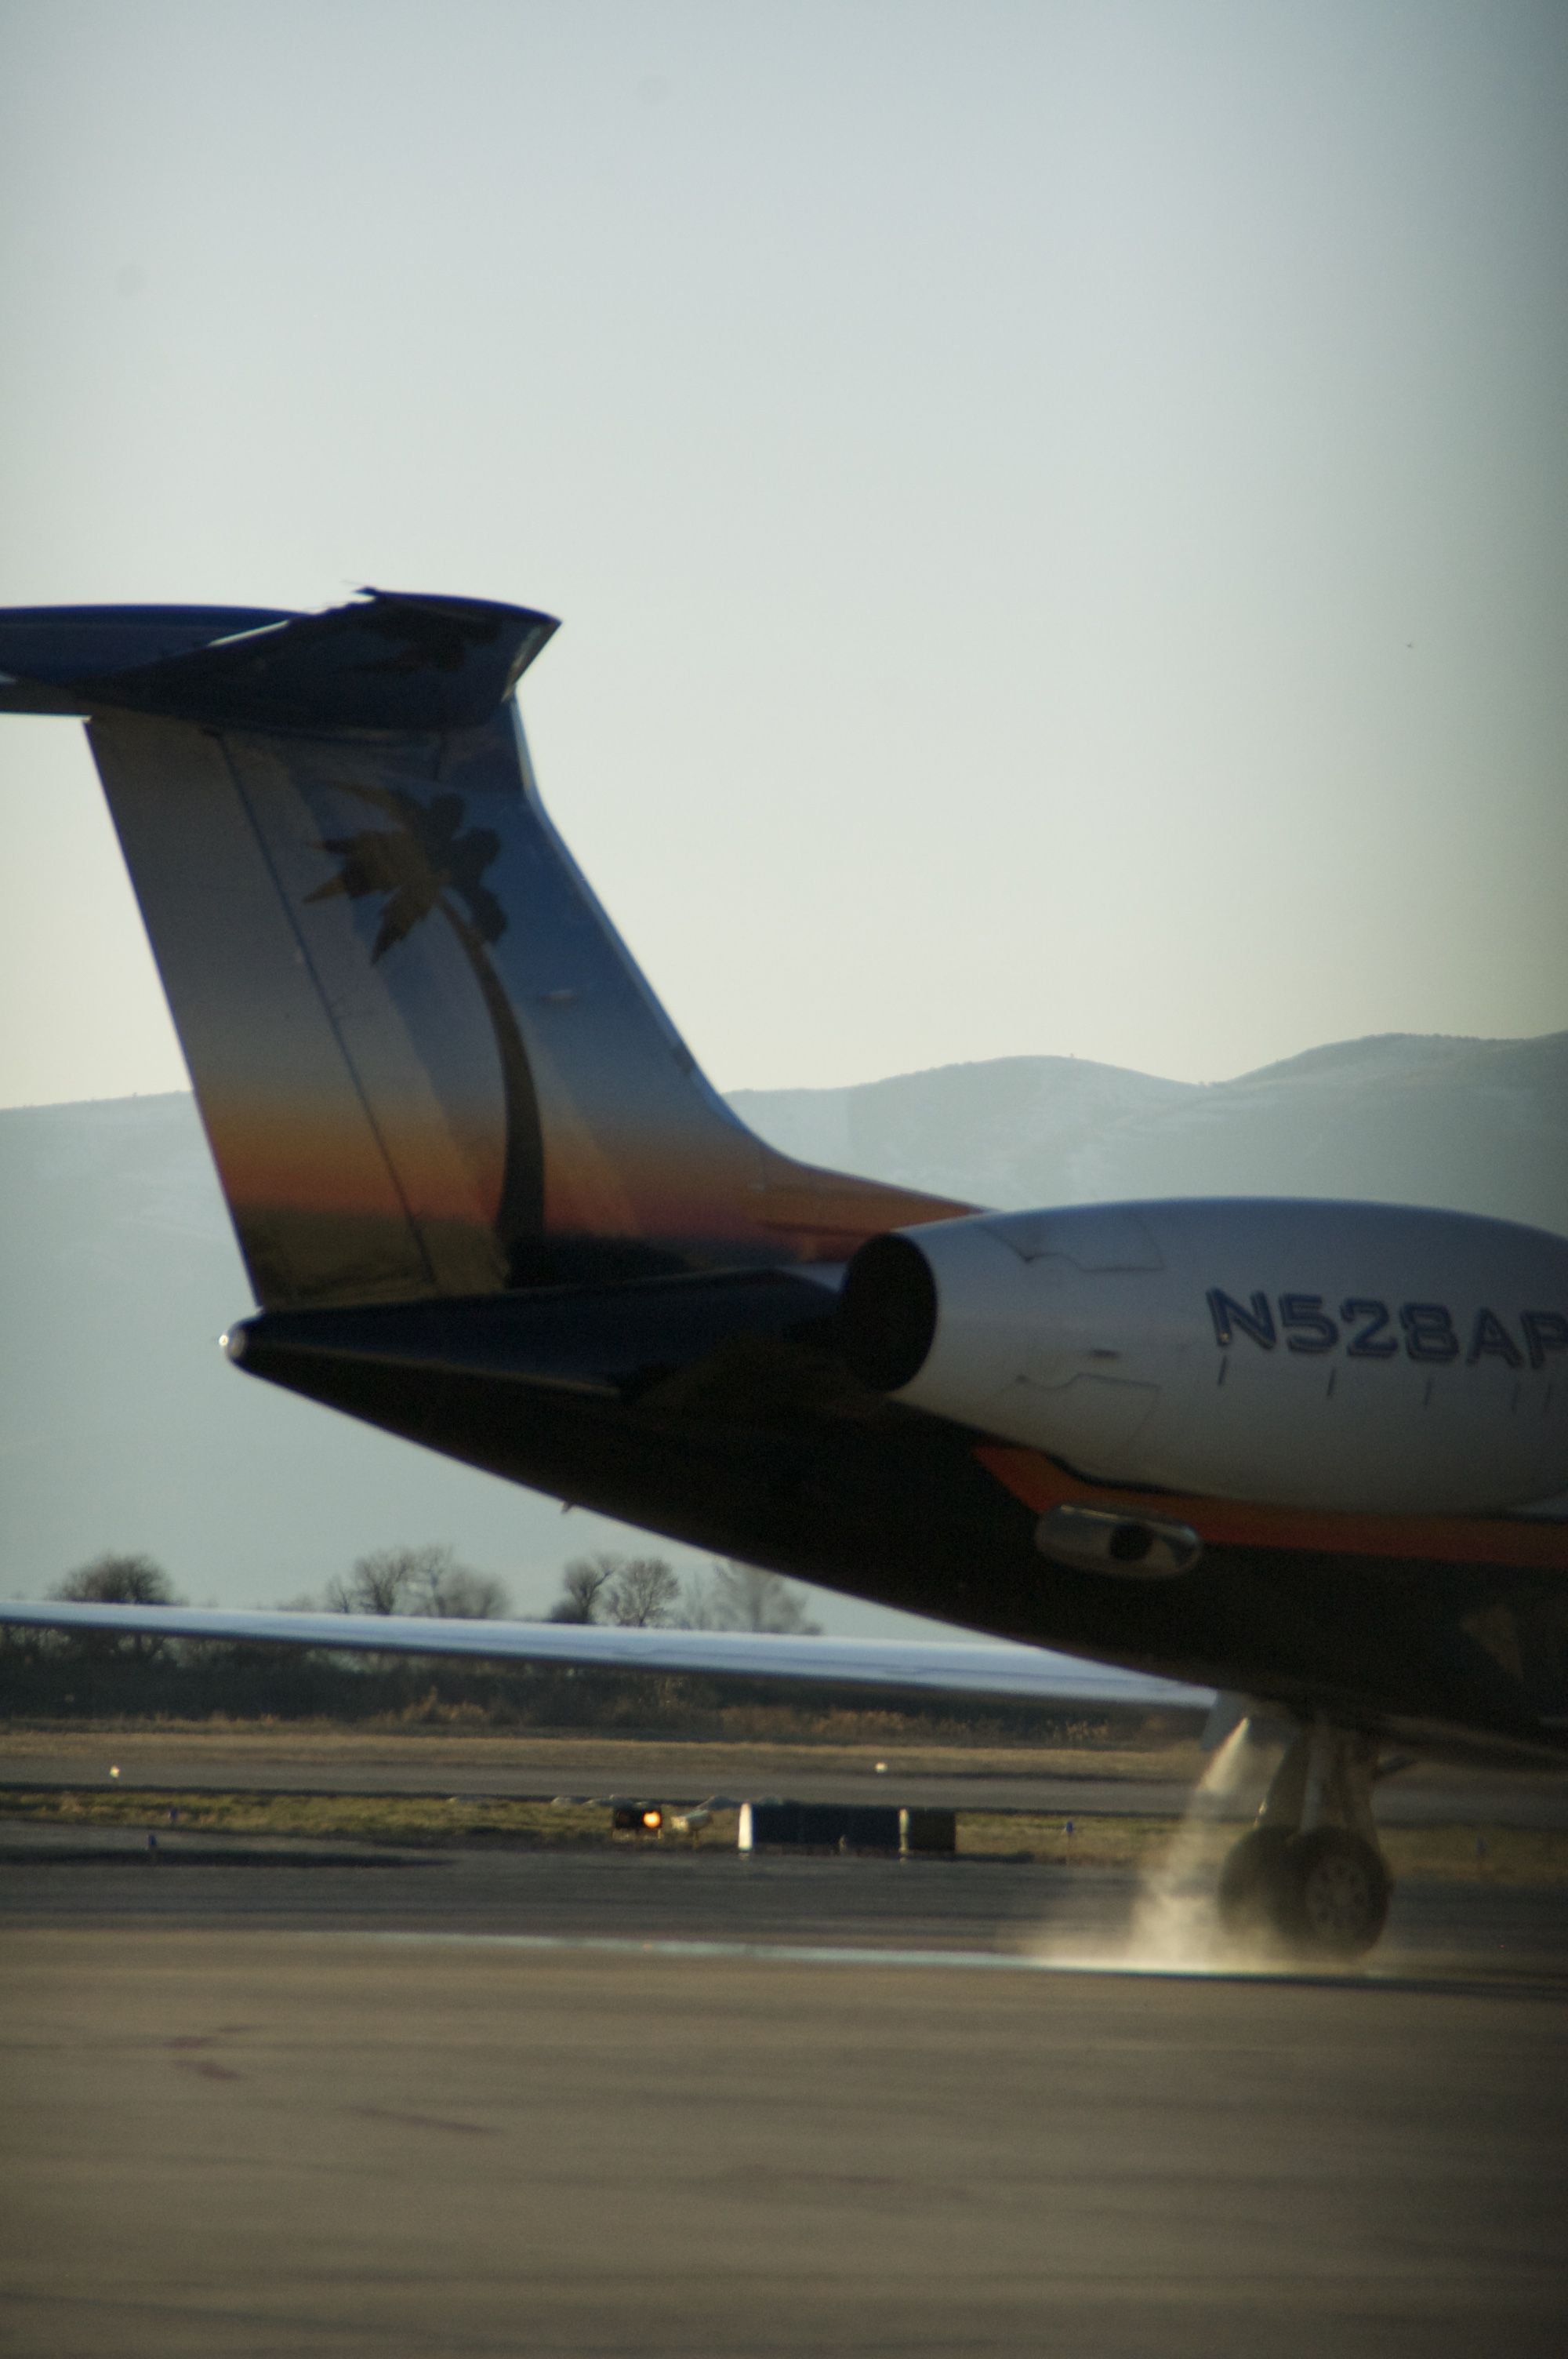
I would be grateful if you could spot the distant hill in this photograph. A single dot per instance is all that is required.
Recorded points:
(121, 1427)
(1477, 1125)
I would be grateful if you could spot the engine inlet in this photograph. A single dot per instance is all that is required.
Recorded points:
(887, 1313)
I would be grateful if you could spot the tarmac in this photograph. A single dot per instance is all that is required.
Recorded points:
(514, 1767)
(329, 2100)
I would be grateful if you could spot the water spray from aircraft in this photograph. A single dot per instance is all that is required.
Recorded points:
(1173, 1926)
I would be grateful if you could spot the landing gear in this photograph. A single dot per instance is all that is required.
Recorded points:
(1253, 1881)
(1339, 1892)
(1310, 1875)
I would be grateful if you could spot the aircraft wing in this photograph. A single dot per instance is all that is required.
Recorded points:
(1024, 1674)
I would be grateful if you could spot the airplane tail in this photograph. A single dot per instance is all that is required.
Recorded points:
(427, 1064)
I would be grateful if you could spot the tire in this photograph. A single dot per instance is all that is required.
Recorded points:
(1336, 1894)
(1254, 1883)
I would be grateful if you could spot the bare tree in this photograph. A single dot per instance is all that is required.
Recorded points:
(643, 1594)
(698, 1603)
(635, 1592)
(744, 1597)
(427, 1580)
(379, 1583)
(583, 1585)
(462, 1596)
(118, 1580)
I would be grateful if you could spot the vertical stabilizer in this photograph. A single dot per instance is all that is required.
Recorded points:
(427, 1064)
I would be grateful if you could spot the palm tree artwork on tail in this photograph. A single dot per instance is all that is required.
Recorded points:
(425, 865)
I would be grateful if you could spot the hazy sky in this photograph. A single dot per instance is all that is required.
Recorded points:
(1060, 512)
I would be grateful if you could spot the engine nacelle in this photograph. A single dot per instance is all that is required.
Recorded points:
(1352, 1356)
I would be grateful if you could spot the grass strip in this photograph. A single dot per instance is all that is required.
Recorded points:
(1488, 1854)
(1443, 1853)
(425, 1821)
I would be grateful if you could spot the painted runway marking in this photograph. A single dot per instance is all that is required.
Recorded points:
(1394, 1979)
(797, 1953)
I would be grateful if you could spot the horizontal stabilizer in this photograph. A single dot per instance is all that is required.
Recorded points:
(613, 1339)
(48, 653)
(1026, 1674)
(412, 665)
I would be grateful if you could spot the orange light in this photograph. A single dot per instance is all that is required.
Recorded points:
(654, 1820)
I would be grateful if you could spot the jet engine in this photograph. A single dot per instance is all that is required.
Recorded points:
(1311, 1355)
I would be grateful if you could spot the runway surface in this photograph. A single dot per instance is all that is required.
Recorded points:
(54, 1876)
(345, 2108)
(201, 1761)
(293, 2144)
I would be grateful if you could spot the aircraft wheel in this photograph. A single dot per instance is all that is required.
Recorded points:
(1335, 1892)
(1254, 1883)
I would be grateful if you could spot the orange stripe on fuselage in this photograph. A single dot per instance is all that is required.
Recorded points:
(1452, 1540)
